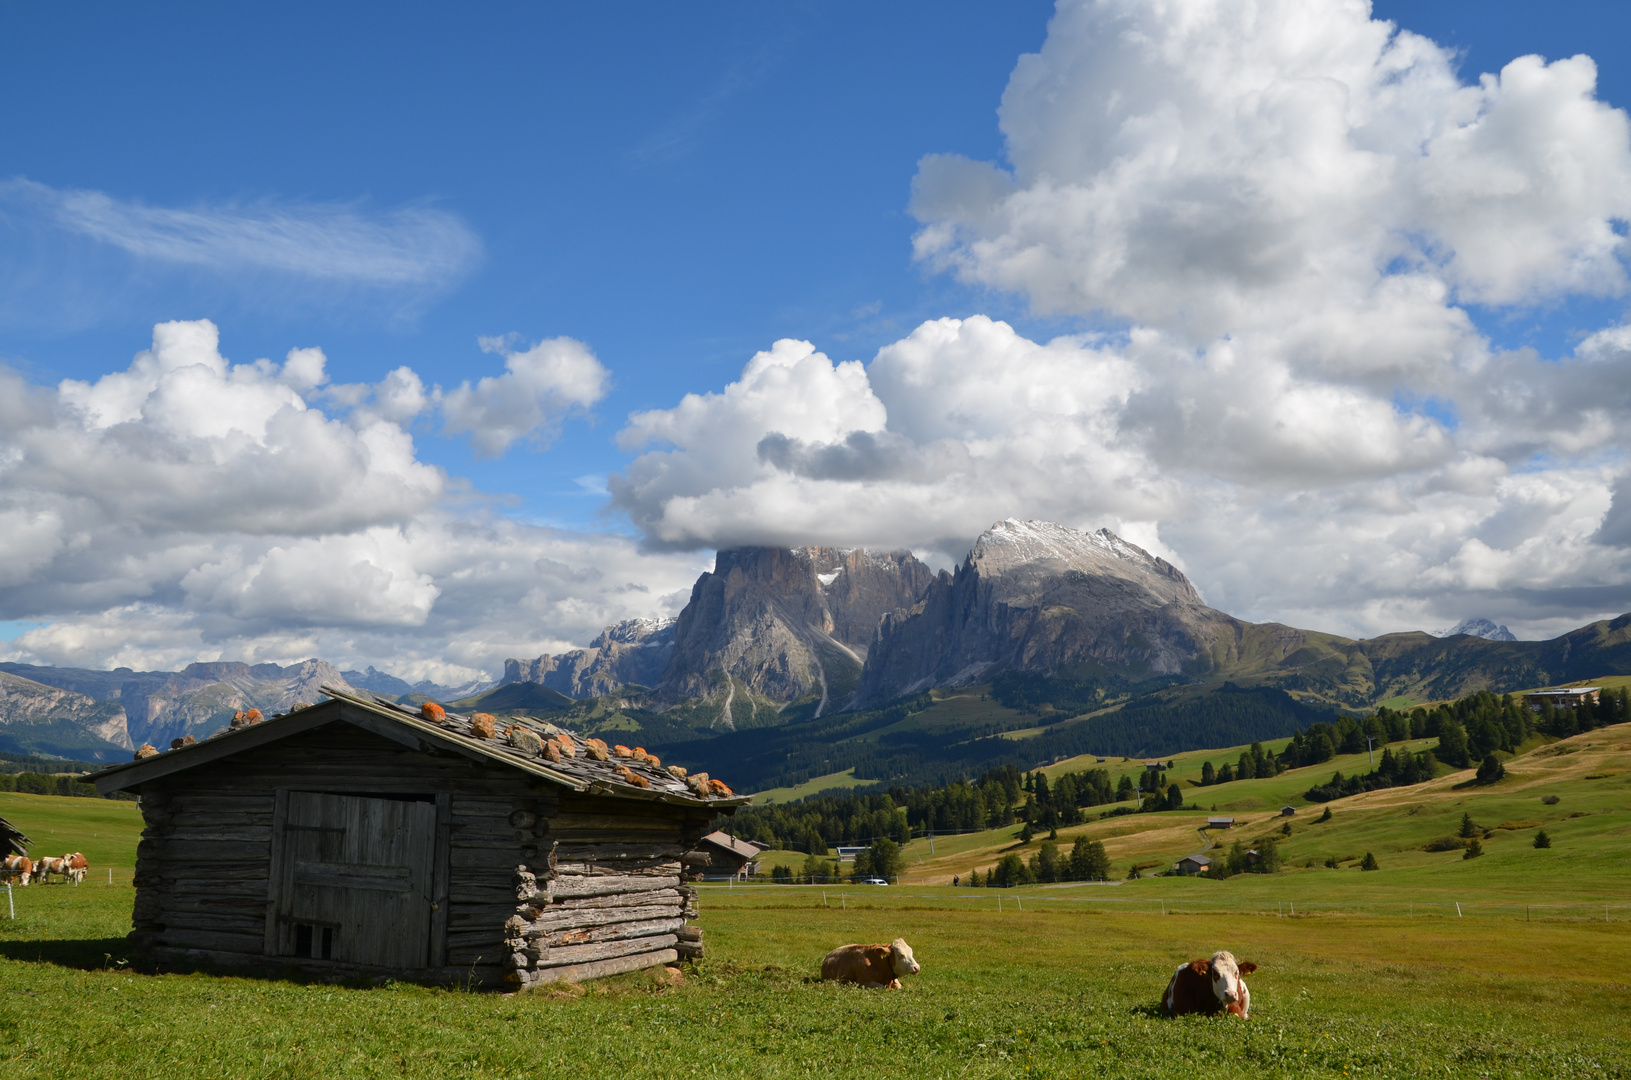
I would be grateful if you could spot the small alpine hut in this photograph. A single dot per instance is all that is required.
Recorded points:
(362, 837)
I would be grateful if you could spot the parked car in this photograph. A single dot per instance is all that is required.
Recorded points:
(872, 881)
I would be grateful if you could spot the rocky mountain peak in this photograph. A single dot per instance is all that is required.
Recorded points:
(1041, 550)
(1479, 628)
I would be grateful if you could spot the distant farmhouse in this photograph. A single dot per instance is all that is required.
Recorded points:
(1193, 864)
(729, 857)
(1565, 698)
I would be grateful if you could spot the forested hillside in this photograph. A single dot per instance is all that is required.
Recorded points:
(891, 744)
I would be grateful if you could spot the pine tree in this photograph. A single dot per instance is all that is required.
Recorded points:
(1490, 769)
(1542, 840)
(1325, 816)
(1209, 775)
(1369, 862)
(1468, 828)
(1474, 849)
(1025, 833)
(1175, 798)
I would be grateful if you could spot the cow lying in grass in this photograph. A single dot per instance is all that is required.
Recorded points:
(1210, 986)
(877, 966)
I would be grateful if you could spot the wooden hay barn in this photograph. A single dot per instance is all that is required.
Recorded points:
(359, 837)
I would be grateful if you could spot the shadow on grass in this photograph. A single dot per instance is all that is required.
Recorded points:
(115, 954)
(86, 954)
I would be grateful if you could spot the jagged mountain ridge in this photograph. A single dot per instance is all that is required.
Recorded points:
(1033, 595)
(157, 706)
(40, 719)
(635, 652)
(766, 626)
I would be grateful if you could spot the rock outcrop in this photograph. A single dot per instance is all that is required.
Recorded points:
(1037, 596)
(158, 706)
(36, 718)
(788, 623)
(633, 652)
(776, 624)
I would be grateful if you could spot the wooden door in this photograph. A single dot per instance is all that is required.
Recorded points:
(353, 880)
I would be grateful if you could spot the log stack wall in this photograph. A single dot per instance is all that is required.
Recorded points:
(542, 884)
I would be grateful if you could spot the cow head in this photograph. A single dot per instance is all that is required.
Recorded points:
(1225, 972)
(902, 960)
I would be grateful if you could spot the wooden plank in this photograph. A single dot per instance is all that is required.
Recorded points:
(440, 897)
(600, 886)
(189, 938)
(248, 925)
(663, 868)
(633, 899)
(554, 919)
(613, 852)
(614, 932)
(605, 950)
(256, 835)
(276, 874)
(211, 851)
(601, 969)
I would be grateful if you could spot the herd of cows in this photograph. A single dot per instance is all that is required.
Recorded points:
(1211, 987)
(20, 869)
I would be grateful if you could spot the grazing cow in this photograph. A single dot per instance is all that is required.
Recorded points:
(1210, 986)
(46, 867)
(877, 966)
(78, 868)
(16, 868)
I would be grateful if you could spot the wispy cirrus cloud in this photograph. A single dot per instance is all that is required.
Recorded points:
(405, 254)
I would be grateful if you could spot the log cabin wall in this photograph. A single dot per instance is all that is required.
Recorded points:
(530, 882)
(604, 894)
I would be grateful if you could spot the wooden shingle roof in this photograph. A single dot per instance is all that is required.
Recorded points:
(12, 840)
(516, 743)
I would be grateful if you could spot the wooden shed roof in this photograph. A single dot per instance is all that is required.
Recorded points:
(12, 839)
(746, 849)
(400, 724)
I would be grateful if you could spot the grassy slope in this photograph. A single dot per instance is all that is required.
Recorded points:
(104, 831)
(814, 786)
(1394, 823)
(1061, 988)
(1027, 993)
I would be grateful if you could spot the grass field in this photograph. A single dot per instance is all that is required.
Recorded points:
(1376, 974)
(1027, 993)
(815, 786)
(1591, 826)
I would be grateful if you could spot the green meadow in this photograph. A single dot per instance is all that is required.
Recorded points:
(1361, 973)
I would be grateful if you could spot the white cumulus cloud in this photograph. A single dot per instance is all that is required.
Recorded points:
(187, 507)
(540, 385)
(1281, 216)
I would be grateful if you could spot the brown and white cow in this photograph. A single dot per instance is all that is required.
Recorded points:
(876, 966)
(45, 868)
(16, 868)
(1210, 986)
(78, 867)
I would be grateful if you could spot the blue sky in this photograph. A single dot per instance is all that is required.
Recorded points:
(678, 188)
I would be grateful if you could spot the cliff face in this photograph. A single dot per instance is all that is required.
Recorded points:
(198, 700)
(636, 651)
(788, 623)
(35, 718)
(1037, 596)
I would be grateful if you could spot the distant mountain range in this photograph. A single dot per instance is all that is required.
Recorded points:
(778, 636)
(103, 715)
